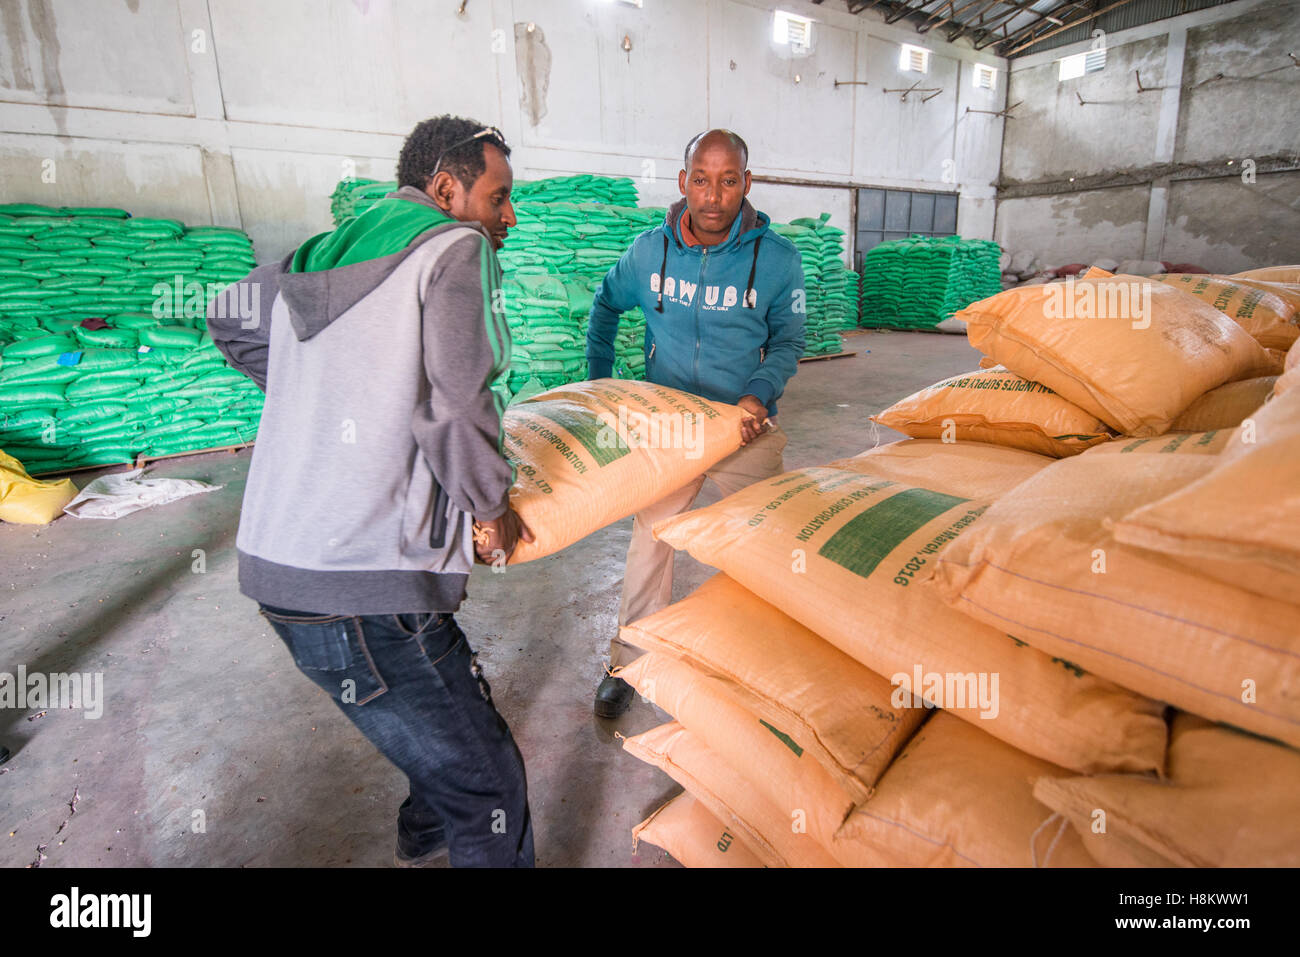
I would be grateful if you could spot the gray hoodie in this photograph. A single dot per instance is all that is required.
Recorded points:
(380, 440)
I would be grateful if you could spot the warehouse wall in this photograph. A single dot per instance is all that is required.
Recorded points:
(241, 112)
(1192, 119)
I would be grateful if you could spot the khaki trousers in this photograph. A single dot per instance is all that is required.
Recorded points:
(648, 578)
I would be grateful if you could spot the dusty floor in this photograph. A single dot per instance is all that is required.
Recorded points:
(206, 718)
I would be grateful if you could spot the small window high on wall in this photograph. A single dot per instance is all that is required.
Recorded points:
(986, 77)
(1090, 61)
(792, 29)
(913, 58)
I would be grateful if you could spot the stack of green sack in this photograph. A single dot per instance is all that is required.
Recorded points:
(104, 354)
(583, 188)
(830, 286)
(553, 262)
(353, 196)
(918, 282)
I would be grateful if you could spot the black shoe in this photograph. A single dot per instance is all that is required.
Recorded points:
(613, 697)
(4, 754)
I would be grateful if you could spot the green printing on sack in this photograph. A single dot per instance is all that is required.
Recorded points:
(868, 538)
(588, 431)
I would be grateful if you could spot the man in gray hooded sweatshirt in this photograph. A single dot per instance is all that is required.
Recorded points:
(379, 473)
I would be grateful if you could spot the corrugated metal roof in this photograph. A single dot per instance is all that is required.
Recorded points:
(1014, 27)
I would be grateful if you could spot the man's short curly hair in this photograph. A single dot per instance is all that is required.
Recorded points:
(421, 150)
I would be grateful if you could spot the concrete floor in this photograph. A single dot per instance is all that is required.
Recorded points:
(205, 712)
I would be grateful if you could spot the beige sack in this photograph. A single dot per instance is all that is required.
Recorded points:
(1226, 406)
(1288, 292)
(1269, 319)
(999, 407)
(969, 469)
(1044, 563)
(1272, 274)
(957, 797)
(1131, 352)
(838, 710)
(840, 552)
(693, 837)
(1291, 374)
(727, 796)
(765, 755)
(1240, 523)
(1230, 801)
(1171, 443)
(590, 453)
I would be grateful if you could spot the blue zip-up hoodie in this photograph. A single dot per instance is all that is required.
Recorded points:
(721, 321)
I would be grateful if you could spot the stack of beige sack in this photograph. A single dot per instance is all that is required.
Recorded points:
(1177, 575)
(1072, 365)
(801, 680)
(1060, 360)
(1053, 606)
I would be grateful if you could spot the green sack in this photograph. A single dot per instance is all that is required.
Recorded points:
(108, 338)
(30, 395)
(108, 453)
(169, 337)
(42, 346)
(28, 209)
(40, 369)
(91, 412)
(95, 387)
(90, 431)
(132, 320)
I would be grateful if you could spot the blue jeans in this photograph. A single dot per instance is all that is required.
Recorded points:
(412, 685)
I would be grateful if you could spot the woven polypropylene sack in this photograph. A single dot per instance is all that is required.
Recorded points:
(1133, 353)
(728, 796)
(1228, 801)
(838, 710)
(999, 407)
(957, 797)
(694, 837)
(766, 755)
(967, 469)
(1044, 563)
(842, 552)
(1238, 522)
(591, 453)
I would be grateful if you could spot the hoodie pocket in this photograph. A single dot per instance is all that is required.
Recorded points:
(438, 523)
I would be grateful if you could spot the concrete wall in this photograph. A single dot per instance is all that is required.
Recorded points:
(1224, 222)
(241, 112)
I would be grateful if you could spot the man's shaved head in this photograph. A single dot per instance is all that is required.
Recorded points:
(724, 138)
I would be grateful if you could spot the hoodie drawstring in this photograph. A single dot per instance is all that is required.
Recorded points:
(751, 299)
(663, 268)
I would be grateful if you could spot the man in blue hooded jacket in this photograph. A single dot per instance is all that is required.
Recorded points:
(724, 303)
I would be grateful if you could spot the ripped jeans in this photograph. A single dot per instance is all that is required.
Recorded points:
(412, 685)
